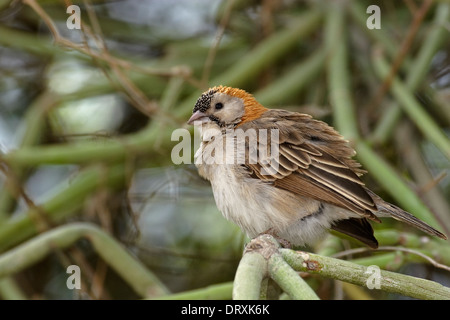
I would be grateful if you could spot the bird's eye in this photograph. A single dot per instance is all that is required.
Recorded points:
(219, 106)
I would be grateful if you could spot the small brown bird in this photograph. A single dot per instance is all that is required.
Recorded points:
(284, 173)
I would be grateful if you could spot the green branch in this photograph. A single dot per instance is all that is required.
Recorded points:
(338, 74)
(257, 60)
(434, 248)
(359, 15)
(141, 143)
(372, 276)
(347, 124)
(293, 81)
(412, 108)
(264, 258)
(416, 71)
(34, 122)
(289, 280)
(251, 271)
(222, 291)
(65, 203)
(129, 268)
(270, 50)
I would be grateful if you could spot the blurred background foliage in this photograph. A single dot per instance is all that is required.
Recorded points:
(86, 118)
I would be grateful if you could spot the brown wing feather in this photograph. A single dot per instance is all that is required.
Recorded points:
(306, 166)
(305, 186)
(357, 228)
(342, 185)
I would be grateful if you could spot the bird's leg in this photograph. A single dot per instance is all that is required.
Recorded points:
(284, 243)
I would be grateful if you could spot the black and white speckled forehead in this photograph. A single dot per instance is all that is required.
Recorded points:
(204, 102)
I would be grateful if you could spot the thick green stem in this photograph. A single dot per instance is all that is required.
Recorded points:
(293, 81)
(222, 291)
(270, 50)
(413, 109)
(264, 257)
(358, 13)
(129, 268)
(346, 122)
(62, 205)
(436, 249)
(372, 277)
(9, 290)
(338, 76)
(34, 122)
(289, 280)
(416, 71)
(140, 143)
(108, 150)
(249, 275)
(261, 259)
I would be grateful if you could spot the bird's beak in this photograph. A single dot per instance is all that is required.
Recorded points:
(198, 116)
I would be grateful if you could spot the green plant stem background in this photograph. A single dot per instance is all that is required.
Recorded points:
(325, 33)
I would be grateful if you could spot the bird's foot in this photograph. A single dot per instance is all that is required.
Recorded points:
(283, 242)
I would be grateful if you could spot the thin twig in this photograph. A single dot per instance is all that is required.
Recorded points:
(215, 46)
(411, 6)
(117, 65)
(406, 45)
(176, 71)
(144, 282)
(392, 248)
(37, 214)
(432, 183)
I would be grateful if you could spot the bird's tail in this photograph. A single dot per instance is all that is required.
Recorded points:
(404, 216)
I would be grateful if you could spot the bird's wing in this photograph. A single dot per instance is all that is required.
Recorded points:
(313, 160)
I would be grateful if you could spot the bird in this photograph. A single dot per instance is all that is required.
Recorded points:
(285, 173)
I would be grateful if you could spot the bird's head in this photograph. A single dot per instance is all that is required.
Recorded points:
(225, 107)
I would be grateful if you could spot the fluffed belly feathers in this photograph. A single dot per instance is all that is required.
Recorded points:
(256, 206)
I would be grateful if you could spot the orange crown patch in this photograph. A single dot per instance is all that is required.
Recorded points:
(253, 109)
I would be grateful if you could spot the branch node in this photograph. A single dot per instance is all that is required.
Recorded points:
(264, 244)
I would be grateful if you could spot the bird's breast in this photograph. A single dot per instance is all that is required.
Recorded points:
(256, 205)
